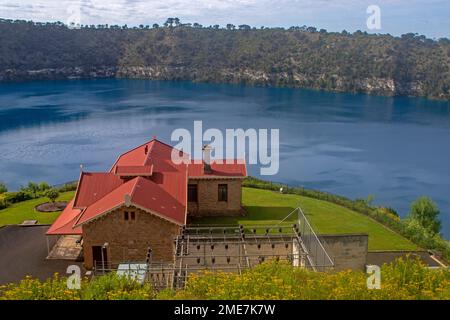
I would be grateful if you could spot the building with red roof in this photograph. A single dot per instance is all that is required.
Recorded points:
(144, 200)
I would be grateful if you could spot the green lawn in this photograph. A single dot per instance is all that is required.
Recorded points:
(21, 211)
(268, 207)
(263, 207)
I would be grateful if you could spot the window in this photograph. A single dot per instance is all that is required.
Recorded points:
(132, 215)
(223, 192)
(126, 215)
(192, 193)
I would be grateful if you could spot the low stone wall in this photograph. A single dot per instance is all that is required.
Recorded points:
(348, 251)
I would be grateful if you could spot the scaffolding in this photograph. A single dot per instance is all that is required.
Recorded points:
(237, 248)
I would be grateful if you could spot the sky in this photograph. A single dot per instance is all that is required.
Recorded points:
(427, 17)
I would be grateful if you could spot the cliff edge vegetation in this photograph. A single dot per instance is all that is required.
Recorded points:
(304, 57)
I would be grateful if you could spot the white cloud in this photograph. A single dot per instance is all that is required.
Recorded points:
(331, 14)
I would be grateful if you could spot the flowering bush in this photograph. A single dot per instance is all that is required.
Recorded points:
(403, 279)
(107, 287)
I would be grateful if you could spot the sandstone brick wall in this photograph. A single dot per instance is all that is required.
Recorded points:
(129, 240)
(348, 251)
(208, 204)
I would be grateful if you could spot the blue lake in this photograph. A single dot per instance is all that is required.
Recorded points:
(355, 145)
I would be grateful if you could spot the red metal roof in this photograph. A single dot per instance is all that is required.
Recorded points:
(148, 195)
(146, 170)
(160, 186)
(94, 186)
(228, 168)
(142, 193)
(65, 222)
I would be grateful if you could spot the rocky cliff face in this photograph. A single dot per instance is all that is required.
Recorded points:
(377, 86)
(57, 73)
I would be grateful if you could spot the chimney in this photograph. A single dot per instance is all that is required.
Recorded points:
(207, 158)
(146, 149)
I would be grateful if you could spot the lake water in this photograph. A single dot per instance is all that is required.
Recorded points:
(354, 145)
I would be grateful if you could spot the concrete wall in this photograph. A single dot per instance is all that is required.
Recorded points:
(129, 240)
(348, 251)
(208, 204)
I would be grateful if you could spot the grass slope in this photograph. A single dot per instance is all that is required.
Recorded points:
(268, 207)
(18, 212)
(263, 207)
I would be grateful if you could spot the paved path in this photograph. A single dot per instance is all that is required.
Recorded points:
(23, 251)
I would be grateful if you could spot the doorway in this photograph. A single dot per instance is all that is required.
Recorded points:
(100, 257)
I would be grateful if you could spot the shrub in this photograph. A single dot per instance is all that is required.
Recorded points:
(32, 188)
(14, 197)
(32, 289)
(113, 287)
(107, 287)
(3, 188)
(72, 186)
(44, 186)
(52, 194)
(403, 279)
(3, 203)
(426, 213)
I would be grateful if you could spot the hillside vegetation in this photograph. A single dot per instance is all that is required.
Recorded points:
(297, 57)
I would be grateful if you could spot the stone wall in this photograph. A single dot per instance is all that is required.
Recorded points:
(348, 251)
(208, 204)
(129, 239)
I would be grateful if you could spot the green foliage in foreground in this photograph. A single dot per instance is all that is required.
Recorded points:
(403, 279)
(107, 287)
(409, 228)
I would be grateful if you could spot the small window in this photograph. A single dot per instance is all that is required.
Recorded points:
(223, 192)
(126, 216)
(132, 215)
(192, 193)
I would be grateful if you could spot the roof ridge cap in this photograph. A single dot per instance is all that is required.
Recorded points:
(139, 146)
(133, 190)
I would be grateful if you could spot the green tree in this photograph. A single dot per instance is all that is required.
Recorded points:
(426, 212)
(3, 188)
(52, 194)
(32, 188)
(43, 186)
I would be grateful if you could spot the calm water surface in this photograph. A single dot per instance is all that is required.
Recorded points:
(355, 145)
